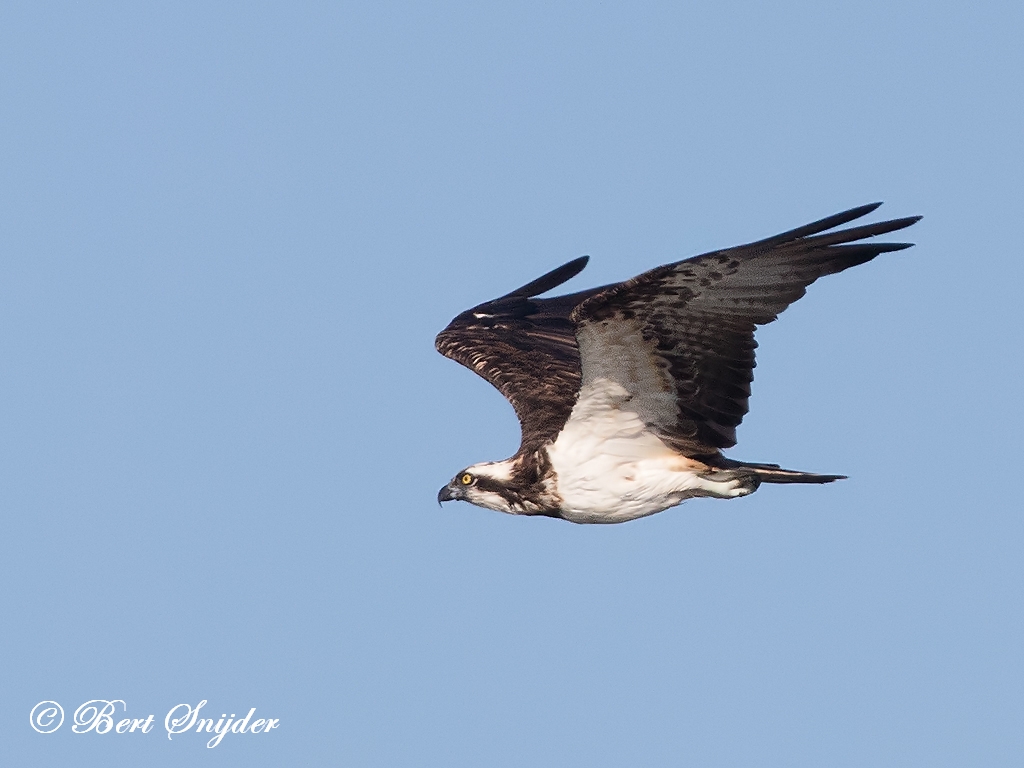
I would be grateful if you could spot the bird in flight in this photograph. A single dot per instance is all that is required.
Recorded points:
(626, 394)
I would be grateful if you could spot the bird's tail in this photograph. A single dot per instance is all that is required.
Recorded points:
(773, 473)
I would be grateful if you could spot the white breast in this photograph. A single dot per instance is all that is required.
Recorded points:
(610, 467)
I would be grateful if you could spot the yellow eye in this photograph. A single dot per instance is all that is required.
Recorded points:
(466, 479)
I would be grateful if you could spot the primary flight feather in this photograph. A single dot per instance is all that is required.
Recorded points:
(627, 393)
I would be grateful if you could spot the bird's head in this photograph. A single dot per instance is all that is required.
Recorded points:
(486, 485)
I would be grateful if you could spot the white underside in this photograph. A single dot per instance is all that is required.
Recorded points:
(611, 467)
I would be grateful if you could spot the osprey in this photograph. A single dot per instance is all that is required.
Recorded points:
(627, 394)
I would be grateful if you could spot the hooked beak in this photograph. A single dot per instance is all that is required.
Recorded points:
(446, 494)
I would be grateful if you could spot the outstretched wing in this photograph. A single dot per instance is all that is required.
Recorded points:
(526, 347)
(680, 338)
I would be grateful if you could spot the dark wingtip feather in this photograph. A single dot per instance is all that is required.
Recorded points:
(816, 227)
(861, 210)
(552, 279)
(884, 227)
(837, 220)
(842, 236)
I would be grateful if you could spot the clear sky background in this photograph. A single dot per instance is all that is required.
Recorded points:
(228, 235)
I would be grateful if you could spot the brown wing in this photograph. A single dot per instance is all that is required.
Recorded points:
(680, 338)
(526, 347)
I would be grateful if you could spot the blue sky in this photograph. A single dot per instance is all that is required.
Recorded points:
(228, 235)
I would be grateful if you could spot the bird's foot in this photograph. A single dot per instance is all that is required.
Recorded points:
(729, 484)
